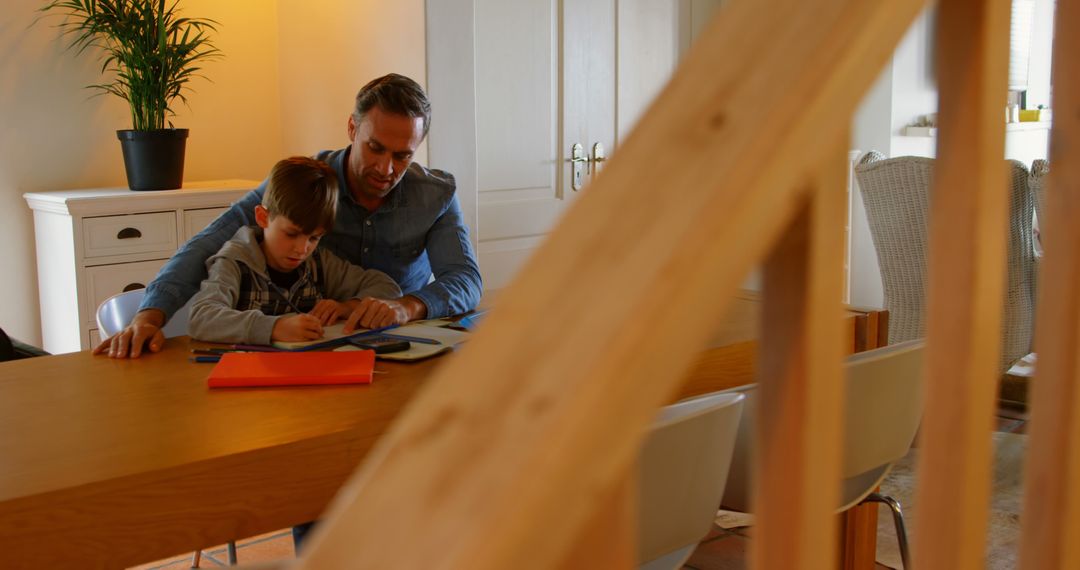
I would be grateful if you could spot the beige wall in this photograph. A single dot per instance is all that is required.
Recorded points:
(284, 86)
(331, 48)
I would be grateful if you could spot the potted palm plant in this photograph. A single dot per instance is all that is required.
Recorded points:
(149, 54)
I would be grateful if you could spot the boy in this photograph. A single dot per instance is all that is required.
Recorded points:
(266, 271)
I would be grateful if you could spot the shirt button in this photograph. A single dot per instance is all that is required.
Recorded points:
(367, 222)
(365, 250)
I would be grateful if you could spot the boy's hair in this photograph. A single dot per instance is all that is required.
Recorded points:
(396, 94)
(305, 191)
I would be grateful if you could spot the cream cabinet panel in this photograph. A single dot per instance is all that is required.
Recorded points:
(94, 243)
(196, 220)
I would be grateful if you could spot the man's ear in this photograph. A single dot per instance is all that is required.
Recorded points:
(262, 216)
(352, 128)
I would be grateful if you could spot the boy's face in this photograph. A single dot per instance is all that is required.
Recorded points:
(285, 245)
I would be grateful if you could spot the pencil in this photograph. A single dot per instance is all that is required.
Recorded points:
(341, 340)
(254, 348)
(285, 296)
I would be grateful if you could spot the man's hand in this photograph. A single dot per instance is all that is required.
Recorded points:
(296, 328)
(145, 329)
(372, 313)
(328, 311)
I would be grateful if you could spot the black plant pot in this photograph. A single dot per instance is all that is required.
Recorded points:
(154, 160)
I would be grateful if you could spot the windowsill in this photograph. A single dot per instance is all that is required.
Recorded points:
(1009, 127)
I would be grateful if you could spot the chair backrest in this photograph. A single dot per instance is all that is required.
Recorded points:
(683, 466)
(117, 311)
(1037, 184)
(882, 410)
(896, 192)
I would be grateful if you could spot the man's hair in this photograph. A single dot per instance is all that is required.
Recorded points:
(305, 191)
(396, 94)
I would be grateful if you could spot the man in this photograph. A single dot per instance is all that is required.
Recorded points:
(393, 215)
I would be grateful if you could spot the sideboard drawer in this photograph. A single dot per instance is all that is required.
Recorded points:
(135, 233)
(104, 281)
(196, 221)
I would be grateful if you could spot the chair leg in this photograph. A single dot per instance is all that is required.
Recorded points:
(230, 546)
(898, 521)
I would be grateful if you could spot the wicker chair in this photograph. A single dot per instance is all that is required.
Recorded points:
(1037, 184)
(896, 194)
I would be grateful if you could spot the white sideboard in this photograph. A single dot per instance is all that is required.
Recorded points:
(95, 243)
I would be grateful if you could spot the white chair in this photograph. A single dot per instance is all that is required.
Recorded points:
(114, 314)
(117, 311)
(683, 466)
(882, 411)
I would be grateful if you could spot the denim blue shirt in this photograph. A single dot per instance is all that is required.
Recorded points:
(417, 232)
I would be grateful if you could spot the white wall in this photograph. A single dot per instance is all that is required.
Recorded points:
(914, 89)
(281, 88)
(1042, 36)
(870, 130)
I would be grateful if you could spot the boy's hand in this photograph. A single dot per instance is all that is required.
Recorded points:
(296, 328)
(372, 313)
(328, 311)
(145, 329)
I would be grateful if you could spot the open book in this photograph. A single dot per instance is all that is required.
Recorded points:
(447, 339)
(336, 330)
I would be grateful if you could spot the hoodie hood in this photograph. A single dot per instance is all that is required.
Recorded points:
(244, 248)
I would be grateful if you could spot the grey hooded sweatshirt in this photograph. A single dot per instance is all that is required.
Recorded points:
(235, 302)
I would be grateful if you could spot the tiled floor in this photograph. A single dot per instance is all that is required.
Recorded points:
(721, 549)
(271, 546)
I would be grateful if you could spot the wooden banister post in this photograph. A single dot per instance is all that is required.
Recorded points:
(968, 226)
(1051, 513)
(801, 383)
(609, 539)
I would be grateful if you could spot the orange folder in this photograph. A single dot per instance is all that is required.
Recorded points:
(250, 369)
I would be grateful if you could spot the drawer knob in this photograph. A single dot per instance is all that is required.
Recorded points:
(133, 286)
(129, 233)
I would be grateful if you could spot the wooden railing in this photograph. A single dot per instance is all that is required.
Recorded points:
(518, 453)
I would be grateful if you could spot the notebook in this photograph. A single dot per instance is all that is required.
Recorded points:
(251, 369)
(334, 331)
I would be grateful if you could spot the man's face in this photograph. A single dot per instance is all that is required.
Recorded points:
(382, 149)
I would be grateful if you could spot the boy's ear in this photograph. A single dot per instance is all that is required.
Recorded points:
(262, 216)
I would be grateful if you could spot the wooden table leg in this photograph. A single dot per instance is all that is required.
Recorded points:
(858, 536)
(858, 525)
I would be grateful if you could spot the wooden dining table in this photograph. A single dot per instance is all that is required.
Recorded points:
(107, 463)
